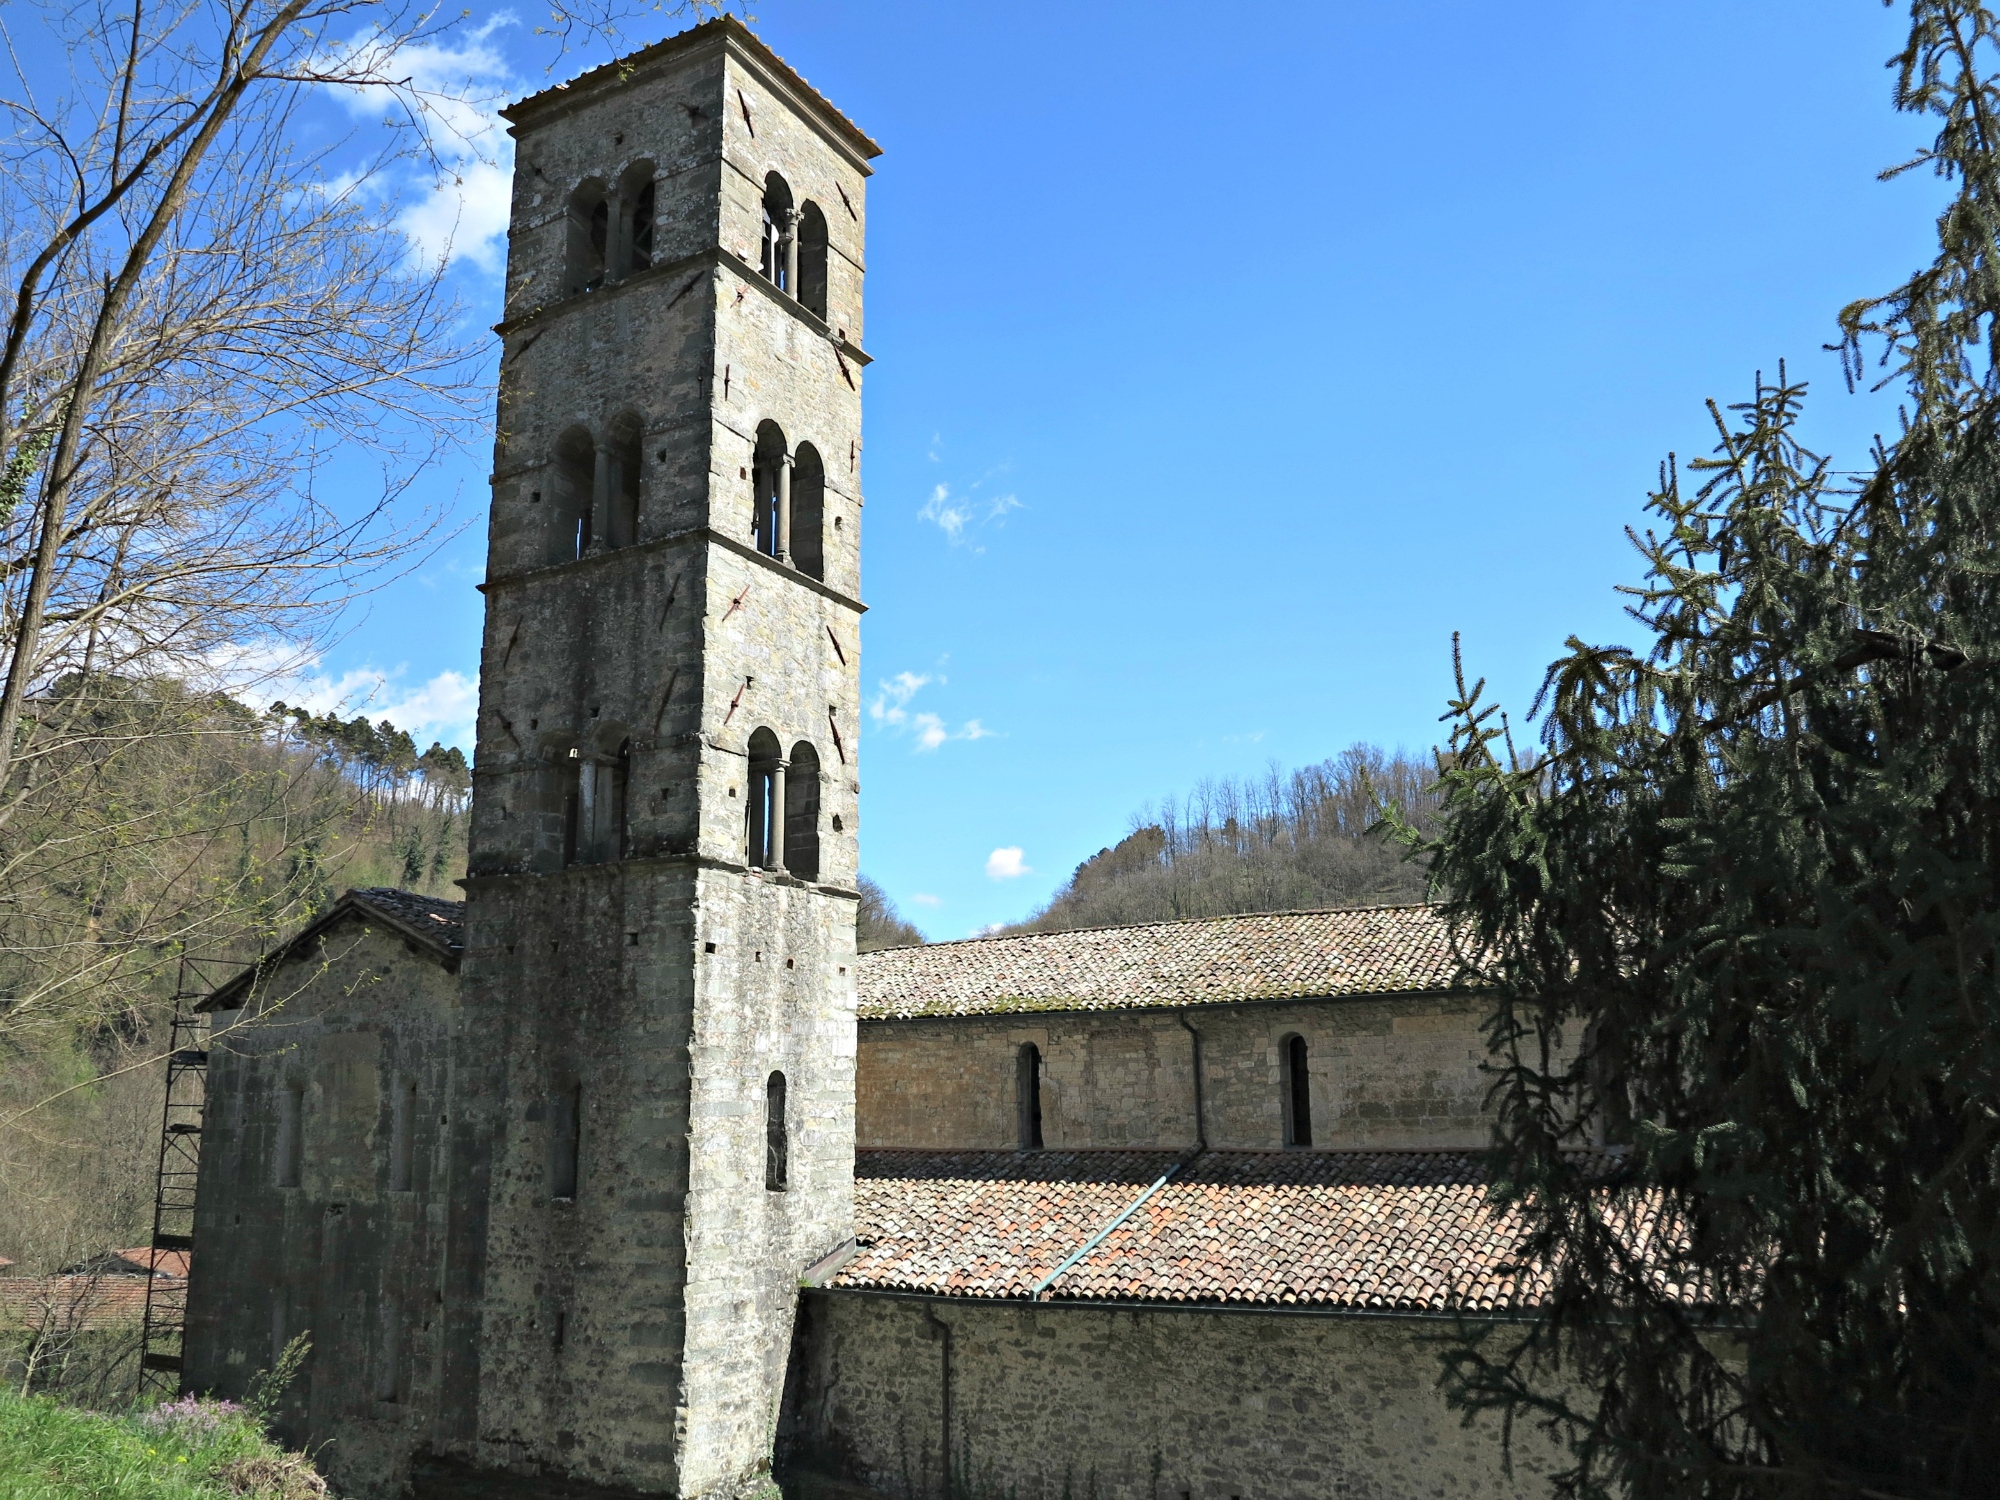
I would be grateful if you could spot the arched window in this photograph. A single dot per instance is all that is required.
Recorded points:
(776, 1147)
(589, 237)
(771, 484)
(808, 544)
(572, 792)
(575, 481)
(625, 465)
(1028, 1095)
(812, 259)
(764, 832)
(636, 200)
(594, 804)
(1296, 1088)
(778, 258)
(802, 812)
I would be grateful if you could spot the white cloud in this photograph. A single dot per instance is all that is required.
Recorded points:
(893, 695)
(1005, 864)
(890, 707)
(922, 899)
(444, 707)
(961, 520)
(456, 85)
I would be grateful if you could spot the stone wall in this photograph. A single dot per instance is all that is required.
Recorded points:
(1072, 1401)
(356, 1033)
(1400, 1072)
(634, 1334)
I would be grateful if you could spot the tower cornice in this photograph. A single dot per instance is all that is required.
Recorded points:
(692, 536)
(727, 33)
(714, 257)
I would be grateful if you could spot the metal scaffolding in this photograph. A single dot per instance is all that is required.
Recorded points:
(179, 1170)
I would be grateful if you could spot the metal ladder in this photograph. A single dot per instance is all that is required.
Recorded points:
(173, 1196)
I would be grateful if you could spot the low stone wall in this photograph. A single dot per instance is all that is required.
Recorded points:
(1090, 1403)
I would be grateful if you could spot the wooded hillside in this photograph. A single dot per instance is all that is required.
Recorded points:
(171, 825)
(1280, 842)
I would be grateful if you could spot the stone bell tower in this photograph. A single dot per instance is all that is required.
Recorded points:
(653, 1131)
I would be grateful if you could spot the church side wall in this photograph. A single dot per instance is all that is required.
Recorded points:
(1066, 1400)
(345, 1246)
(1401, 1073)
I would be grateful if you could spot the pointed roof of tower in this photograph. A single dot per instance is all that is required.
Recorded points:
(729, 30)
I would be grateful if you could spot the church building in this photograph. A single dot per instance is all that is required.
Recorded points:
(627, 1176)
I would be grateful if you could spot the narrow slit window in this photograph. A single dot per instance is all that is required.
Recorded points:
(1297, 1093)
(777, 1148)
(1028, 1095)
(388, 1348)
(291, 1135)
(565, 1140)
(402, 1137)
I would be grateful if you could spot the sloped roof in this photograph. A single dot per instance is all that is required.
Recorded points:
(145, 1260)
(1361, 1231)
(1375, 950)
(434, 925)
(73, 1304)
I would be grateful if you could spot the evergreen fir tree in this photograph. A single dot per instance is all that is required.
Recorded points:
(1740, 915)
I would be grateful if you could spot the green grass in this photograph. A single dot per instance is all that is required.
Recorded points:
(54, 1452)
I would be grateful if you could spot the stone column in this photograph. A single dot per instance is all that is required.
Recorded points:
(604, 484)
(788, 239)
(784, 516)
(774, 858)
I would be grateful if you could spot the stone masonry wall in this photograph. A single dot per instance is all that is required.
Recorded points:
(633, 1335)
(1399, 1072)
(347, 1255)
(1074, 1401)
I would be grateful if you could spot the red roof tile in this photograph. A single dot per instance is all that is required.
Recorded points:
(1375, 950)
(1388, 1231)
(159, 1262)
(78, 1304)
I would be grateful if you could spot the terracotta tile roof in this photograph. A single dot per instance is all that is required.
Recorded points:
(1377, 950)
(77, 1304)
(159, 1262)
(1383, 1231)
(441, 920)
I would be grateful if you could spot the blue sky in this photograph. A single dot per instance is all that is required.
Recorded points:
(1228, 362)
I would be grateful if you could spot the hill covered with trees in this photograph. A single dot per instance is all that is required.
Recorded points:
(166, 824)
(1283, 841)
